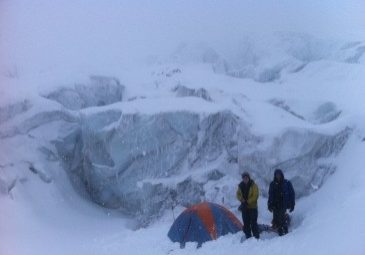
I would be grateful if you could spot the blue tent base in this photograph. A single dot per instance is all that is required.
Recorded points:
(203, 222)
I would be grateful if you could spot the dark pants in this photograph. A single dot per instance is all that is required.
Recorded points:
(280, 222)
(249, 217)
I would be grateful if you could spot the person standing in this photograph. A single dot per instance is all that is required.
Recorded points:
(281, 198)
(247, 194)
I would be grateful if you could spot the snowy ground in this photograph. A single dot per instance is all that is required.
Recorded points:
(42, 214)
(328, 222)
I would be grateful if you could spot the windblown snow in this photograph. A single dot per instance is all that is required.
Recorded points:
(115, 117)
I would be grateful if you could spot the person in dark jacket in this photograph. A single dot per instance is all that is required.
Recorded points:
(281, 198)
(247, 194)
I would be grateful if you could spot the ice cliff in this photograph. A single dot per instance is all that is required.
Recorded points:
(143, 154)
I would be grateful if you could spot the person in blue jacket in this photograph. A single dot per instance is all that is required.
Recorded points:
(281, 198)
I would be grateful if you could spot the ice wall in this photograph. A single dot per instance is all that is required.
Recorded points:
(144, 164)
(110, 154)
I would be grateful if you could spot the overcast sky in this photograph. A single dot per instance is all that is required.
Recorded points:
(76, 32)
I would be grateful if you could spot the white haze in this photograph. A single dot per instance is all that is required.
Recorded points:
(97, 36)
(46, 44)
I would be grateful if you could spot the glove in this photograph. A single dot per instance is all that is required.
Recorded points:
(242, 207)
(291, 209)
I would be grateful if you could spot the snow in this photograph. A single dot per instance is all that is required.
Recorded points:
(327, 222)
(289, 75)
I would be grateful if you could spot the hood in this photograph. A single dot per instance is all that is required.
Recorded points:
(279, 171)
(246, 174)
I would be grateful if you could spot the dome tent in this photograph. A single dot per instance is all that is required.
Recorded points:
(203, 222)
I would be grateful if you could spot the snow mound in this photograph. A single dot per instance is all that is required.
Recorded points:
(269, 58)
(100, 91)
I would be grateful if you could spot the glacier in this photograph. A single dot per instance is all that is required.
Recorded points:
(118, 150)
(110, 153)
(144, 163)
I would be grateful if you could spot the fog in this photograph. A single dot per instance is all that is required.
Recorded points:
(41, 36)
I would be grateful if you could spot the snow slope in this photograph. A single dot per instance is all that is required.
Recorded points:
(327, 222)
